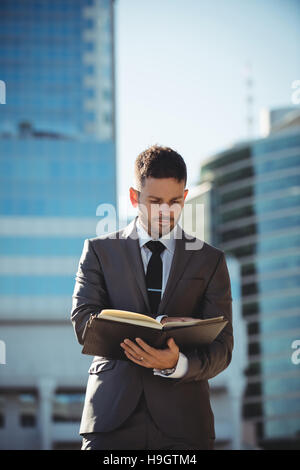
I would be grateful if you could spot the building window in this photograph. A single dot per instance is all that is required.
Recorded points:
(28, 409)
(68, 406)
(27, 420)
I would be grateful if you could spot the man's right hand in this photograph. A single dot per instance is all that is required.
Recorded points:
(171, 319)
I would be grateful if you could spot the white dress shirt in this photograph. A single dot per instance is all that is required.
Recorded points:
(167, 256)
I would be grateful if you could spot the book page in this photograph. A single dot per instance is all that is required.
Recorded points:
(130, 317)
(193, 322)
(144, 320)
(155, 325)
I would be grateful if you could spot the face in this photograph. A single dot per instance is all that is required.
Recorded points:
(159, 204)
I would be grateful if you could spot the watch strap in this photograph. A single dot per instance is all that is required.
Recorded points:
(167, 371)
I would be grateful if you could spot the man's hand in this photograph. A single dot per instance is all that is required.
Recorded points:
(151, 358)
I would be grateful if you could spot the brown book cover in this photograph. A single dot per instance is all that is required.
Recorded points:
(105, 331)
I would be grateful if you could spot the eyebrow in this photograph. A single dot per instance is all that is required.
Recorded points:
(159, 198)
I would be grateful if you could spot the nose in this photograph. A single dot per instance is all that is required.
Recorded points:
(165, 209)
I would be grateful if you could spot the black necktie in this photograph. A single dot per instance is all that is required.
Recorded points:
(154, 274)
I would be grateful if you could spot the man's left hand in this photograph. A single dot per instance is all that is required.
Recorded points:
(151, 358)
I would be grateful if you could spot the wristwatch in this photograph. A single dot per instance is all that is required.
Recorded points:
(167, 371)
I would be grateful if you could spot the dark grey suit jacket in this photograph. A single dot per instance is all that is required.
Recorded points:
(111, 275)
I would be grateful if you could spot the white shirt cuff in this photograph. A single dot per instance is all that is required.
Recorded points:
(160, 317)
(180, 371)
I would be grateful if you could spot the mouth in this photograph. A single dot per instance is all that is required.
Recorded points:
(165, 222)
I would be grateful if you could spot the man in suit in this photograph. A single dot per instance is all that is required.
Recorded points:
(154, 398)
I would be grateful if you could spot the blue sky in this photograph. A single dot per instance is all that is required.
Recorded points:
(179, 73)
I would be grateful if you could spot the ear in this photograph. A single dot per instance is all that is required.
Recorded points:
(185, 193)
(134, 196)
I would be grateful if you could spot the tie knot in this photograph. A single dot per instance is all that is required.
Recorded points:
(155, 246)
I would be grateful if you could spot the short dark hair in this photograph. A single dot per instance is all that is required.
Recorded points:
(159, 162)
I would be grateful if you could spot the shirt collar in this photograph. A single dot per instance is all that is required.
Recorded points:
(168, 239)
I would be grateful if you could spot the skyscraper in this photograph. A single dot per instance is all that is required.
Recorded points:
(58, 164)
(257, 220)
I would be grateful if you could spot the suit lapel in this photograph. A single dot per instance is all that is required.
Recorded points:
(180, 261)
(135, 262)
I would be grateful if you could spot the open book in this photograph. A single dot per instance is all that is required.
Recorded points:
(105, 331)
(145, 320)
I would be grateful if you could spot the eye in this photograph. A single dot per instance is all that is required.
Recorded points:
(177, 201)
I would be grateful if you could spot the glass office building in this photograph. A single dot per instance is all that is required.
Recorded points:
(58, 164)
(257, 219)
(57, 63)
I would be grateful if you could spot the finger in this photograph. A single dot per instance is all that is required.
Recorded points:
(133, 349)
(128, 349)
(133, 346)
(146, 347)
(172, 345)
(140, 361)
(131, 357)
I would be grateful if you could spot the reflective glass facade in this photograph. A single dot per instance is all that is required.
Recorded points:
(57, 147)
(257, 191)
(63, 178)
(57, 166)
(56, 58)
